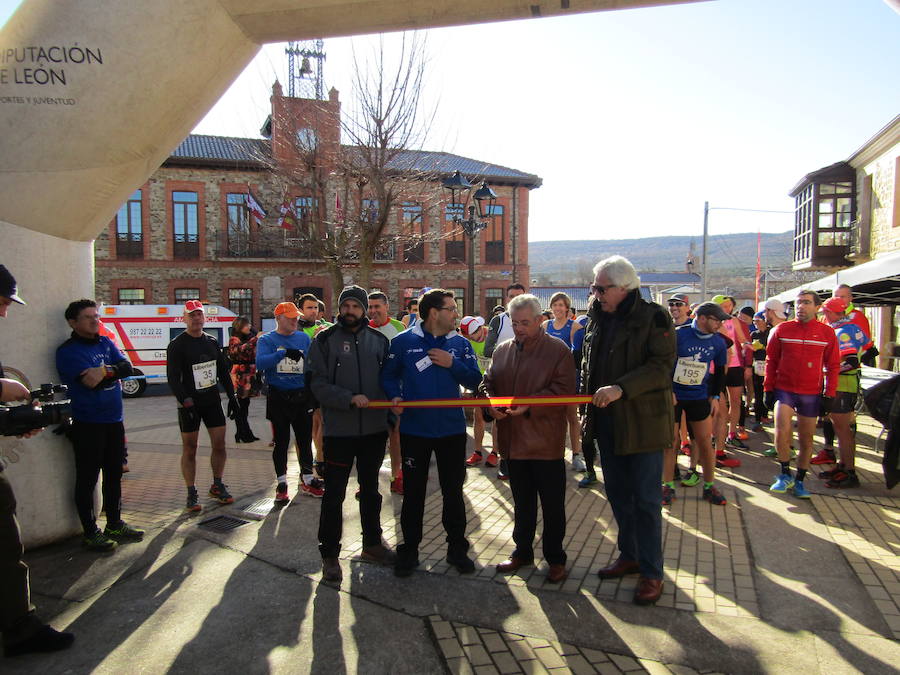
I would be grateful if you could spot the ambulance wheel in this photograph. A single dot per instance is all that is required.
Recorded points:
(134, 388)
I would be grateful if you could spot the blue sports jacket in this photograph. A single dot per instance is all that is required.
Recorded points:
(409, 374)
(102, 405)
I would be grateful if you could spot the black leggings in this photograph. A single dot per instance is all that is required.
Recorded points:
(286, 411)
(98, 446)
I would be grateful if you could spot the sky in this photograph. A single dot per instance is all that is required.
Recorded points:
(634, 118)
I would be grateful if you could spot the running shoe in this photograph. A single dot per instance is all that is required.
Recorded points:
(313, 488)
(686, 449)
(782, 484)
(843, 479)
(800, 492)
(502, 470)
(727, 462)
(733, 441)
(281, 494)
(742, 434)
(492, 460)
(825, 456)
(397, 484)
(578, 463)
(668, 494)
(756, 427)
(97, 541)
(770, 452)
(691, 479)
(475, 459)
(713, 496)
(220, 492)
(588, 480)
(825, 475)
(193, 501)
(123, 532)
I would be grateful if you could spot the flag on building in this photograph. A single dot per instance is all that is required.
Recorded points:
(288, 217)
(254, 207)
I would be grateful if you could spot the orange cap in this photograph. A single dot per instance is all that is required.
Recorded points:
(288, 309)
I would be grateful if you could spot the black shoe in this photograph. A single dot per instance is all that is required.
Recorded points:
(405, 564)
(463, 563)
(238, 438)
(45, 640)
(249, 437)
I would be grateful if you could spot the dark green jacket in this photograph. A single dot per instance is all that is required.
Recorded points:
(640, 358)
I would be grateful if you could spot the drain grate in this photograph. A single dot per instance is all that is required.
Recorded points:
(257, 510)
(222, 523)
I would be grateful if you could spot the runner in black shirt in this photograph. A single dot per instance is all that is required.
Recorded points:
(195, 367)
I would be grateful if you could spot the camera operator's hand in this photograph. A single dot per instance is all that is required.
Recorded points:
(13, 390)
(91, 377)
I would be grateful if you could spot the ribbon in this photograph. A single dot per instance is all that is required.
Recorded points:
(495, 402)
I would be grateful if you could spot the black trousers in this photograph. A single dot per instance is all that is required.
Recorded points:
(241, 418)
(450, 455)
(759, 406)
(528, 480)
(98, 446)
(340, 453)
(288, 410)
(17, 620)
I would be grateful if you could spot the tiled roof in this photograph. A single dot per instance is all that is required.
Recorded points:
(657, 278)
(211, 149)
(578, 295)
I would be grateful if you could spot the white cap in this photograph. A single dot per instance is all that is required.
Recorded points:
(470, 325)
(776, 306)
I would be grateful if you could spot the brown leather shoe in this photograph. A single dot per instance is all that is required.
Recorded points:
(331, 570)
(512, 565)
(557, 573)
(647, 591)
(618, 569)
(378, 554)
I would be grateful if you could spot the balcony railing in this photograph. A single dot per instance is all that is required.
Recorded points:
(129, 247)
(274, 244)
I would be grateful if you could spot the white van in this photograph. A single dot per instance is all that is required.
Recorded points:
(143, 332)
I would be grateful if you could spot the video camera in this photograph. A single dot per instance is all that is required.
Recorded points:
(20, 419)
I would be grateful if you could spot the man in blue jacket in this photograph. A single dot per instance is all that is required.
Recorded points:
(430, 361)
(90, 365)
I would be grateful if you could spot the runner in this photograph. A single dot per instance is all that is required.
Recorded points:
(430, 361)
(775, 314)
(195, 367)
(858, 317)
(280, 354)
(380, 319)
(412, 313)
(726, 425)
(680, 311)
(561, 327)
(311, 322)
(852, 342)
(473, 328)
(696, 392)
(797, 353)
(758, 338)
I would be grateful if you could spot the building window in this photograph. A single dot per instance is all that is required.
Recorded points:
(240, 301)
(185, 226)
(459, 294)
(803, 225)
(412, 225)
(303, 207)
(454, 237)
(238, 227)
(494, 253)
(129, 229)
(492, 298)
(834, 213)
(131, 296)
(182, 295)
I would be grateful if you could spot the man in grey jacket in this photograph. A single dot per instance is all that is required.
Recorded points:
(343, 369)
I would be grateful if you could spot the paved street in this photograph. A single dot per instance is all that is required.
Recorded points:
(767, 583)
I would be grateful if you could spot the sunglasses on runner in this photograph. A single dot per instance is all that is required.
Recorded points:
(675, 303)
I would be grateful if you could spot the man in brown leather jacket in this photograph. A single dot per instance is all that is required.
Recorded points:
(533, 438)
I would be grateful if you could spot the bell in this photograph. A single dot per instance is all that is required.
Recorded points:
(305, 68)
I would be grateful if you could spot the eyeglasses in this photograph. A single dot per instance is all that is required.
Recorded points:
(676, 304)
(601, 290)
(449, 309)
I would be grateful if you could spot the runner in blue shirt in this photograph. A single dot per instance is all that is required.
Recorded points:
(696, 391)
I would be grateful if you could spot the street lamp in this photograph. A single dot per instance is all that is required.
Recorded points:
(485, 198)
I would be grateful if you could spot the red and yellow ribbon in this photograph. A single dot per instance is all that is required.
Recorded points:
(494, 402)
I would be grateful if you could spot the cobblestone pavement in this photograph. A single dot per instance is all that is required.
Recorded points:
(711, 553)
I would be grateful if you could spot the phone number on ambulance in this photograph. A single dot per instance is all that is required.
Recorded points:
(145, 332)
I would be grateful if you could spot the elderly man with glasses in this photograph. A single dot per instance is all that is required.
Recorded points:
(629, 351)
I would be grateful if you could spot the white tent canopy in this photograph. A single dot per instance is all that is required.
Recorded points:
(876, 282)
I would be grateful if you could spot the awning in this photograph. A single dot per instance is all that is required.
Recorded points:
(876, 282)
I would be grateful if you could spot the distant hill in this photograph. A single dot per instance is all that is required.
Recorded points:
(732, 254)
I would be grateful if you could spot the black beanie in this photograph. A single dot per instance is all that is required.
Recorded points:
(355, 293)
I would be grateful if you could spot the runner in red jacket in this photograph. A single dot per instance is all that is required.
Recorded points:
(796, 354)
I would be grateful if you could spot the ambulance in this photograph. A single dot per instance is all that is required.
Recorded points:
(143, 332)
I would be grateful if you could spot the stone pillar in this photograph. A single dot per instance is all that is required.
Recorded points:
(51, 272)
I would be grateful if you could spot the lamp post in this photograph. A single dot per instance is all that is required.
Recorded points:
(485, 198)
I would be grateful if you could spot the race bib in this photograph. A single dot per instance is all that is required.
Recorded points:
(759, 368)
(423, 363)
(688, 372)
(204, 375)
(289, 366)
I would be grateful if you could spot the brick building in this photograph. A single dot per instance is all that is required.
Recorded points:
(187, 232)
